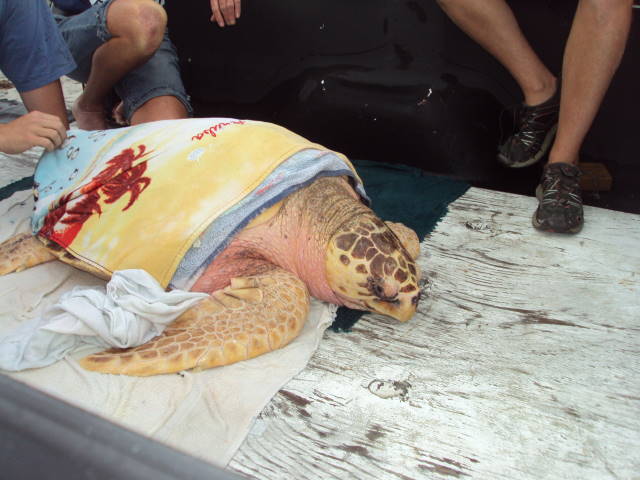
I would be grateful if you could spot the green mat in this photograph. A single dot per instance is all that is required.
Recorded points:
(398, 193)
(17, 186)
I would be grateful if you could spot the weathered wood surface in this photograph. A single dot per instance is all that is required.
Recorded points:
(523, 363)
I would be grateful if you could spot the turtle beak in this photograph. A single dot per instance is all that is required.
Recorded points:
(402, 309)
(392, 298)
(381, 295)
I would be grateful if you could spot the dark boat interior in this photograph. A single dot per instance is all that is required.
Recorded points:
(397, 82)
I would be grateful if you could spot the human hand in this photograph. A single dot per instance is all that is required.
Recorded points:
(225, 12)
(30, 130)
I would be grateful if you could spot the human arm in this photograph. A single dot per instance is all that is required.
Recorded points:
(45, 125)
(30, 130)
(225, 12)
(34, 55)
(47, 99)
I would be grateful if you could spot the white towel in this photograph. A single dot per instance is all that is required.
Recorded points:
(206, 414)
(131, 310)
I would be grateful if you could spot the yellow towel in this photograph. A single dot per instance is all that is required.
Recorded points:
(149, 191)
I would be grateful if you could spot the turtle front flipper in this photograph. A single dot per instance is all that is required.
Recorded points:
(252, 316)
(22, 251)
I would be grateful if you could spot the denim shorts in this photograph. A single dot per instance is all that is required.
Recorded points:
(159, 76)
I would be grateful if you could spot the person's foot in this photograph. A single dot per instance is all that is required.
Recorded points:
(118, 115)
(88, 117)
(560, 207)
(534, 129)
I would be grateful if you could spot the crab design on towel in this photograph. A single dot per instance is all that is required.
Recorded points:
(118, 178)
(319, 239)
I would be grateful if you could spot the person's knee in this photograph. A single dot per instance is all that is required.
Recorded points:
(142, 22)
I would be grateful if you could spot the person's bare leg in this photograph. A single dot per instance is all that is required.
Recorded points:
(47, 99)
(165, 107)
(137, 27)
(592, 54)
(492, 24)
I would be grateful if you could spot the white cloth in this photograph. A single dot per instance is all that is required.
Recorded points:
(131, 310)
(206, 414)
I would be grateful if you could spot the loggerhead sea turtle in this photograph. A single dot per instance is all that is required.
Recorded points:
(321, 240)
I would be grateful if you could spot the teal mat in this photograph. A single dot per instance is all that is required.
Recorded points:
(408, 195)
(17, 186)
(398, 193)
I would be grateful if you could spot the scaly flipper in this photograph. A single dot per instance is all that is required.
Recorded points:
(252, 316)
(23, 251)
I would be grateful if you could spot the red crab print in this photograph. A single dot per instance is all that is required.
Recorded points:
(129, 180)
(72, 213)
(118, 178)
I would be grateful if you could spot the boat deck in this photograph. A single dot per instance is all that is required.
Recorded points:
(523, 363)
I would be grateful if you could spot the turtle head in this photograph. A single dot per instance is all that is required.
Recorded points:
(368, 268)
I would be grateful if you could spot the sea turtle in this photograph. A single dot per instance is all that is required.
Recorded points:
(320, 240)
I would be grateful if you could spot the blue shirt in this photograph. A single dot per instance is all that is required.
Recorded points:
(32, 50)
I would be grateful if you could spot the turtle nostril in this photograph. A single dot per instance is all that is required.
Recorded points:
(379, 288)
(416, 299)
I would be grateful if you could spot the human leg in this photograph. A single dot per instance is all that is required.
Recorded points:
(165, 107)
(492, 24)
(33, 55)
(134, 30)
(592, 54)
(154, 90)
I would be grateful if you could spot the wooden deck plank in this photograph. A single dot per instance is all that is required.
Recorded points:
(523, 363)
